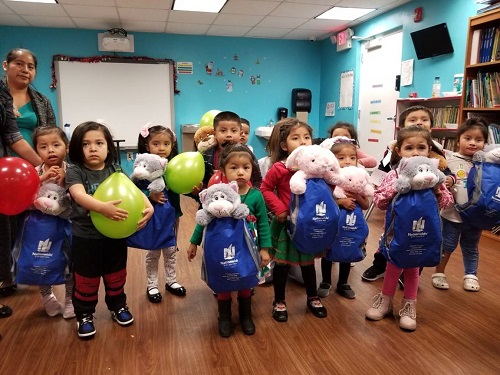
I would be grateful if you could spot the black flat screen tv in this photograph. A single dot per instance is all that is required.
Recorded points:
(432, 41)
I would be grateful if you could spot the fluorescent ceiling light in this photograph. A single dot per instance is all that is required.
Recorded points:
(38, 1)
(345, 14)
(211, 6)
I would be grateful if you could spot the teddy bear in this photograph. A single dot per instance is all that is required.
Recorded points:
(150, 168)
(354, 180)
(221, 200)
(52, 199)
(489, 154)
(312, 162)
(204, 139)
(418, 173)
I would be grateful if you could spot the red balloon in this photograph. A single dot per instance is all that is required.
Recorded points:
(217, 178)
(19, 184)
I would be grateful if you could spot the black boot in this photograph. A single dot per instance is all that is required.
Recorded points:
(225, 318)
(245, 310)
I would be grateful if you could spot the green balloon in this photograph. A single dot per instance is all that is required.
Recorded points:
(208, 118)
(119, 186)
(185, 171)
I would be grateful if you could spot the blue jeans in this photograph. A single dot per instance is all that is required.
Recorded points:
(469, 239)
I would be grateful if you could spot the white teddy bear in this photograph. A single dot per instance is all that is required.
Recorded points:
(312, 162)
(418, 173)
(150, 167)
(354, 180)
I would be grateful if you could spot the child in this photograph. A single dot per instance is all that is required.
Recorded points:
(51, 144)
(93, 152)
(347, 130)
(419, 116)
(411, 141)
(237, 163)
(245, 132)
(471, 137)
(346, 154)
(287, 135)
(159, 140)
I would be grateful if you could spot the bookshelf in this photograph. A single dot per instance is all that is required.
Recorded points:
(481, 93)
(445, 111)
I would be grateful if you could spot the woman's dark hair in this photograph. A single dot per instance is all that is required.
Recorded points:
(240, 149)
(49, 129)
(279, 135)
(415, 108)
(347, 126)
(76, 154)
(410, 131)
(474, 123)
(12, 55)
(142, 142)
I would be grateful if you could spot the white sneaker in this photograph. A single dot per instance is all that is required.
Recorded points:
(408, 315)
(382, 306)
(52, 306)
(69, 311)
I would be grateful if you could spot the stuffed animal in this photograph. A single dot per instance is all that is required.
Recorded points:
(490, 154)
(221, 200)
(53, 200)
(442, 165)
(354, 180)
(312, 162)
(204, 139)
(150, 167)
(329, 142)
(418, 173)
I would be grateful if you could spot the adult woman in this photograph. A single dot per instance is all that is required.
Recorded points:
(24, 108)
(9, 137)
(31, 108)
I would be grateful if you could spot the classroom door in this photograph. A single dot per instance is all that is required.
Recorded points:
(380, 64)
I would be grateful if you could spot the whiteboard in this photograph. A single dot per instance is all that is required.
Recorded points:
(124, 96)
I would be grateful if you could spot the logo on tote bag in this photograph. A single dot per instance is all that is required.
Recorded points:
(419, 225)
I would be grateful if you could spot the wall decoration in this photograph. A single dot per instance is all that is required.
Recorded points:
(233, 70)
(219, 73)
(346, 89)
(257, 79)
(240, 73)
(330, 109)
(407, 72)
(252, 80)
(200, 82)
(235, 57)
(209, 67)
(257, 62)
(229, 86)
(185, 67)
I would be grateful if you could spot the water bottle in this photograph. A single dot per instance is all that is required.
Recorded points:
(67, 130)
(436, 88)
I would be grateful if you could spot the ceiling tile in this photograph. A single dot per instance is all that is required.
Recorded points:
(57, 22)
(186, 28)
(144, 26)
(237, 20)
(34, 9)
(282, 22)
(191, 17)
(102, 3)
(90, 12)
(143, 14)
(299, 10)
(10, 20)
(4, 9)
(148, 4)
(321, 24)
(267, 32)
(236, 31)
(250, 7)
(96, 23)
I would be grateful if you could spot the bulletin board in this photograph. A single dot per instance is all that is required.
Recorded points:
(123, 94)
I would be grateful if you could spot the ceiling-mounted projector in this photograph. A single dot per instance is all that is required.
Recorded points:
(116, 40)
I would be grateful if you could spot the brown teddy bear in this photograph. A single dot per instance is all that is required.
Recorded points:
(204, 139)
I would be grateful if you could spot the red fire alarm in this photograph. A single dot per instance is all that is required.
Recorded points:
(417, 14)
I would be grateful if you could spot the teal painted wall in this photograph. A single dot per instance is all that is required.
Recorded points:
(283, 65)
(455, 13)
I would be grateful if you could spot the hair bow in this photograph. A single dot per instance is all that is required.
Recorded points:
(145, 129)
(329, 142)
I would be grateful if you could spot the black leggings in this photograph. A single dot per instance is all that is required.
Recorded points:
(280, 275)
(326, 272)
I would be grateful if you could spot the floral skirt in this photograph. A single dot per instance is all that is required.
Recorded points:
(283, 250)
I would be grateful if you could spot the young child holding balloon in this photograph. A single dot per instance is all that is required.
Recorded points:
(237, 163)
(95, 255)
(160, 140)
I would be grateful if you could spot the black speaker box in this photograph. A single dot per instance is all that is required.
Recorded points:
(301, 100)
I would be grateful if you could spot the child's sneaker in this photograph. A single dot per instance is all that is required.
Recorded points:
(85, 326)
(324, 290)
(122, 316)
(52, 306)
(69, 311)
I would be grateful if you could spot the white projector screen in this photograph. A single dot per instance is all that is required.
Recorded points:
(123, 95)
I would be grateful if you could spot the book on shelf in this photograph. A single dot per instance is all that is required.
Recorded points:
(475, 43)
(493, 6)
(494, 133)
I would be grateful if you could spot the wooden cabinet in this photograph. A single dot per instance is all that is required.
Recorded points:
(445, 111)
(483, 99)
